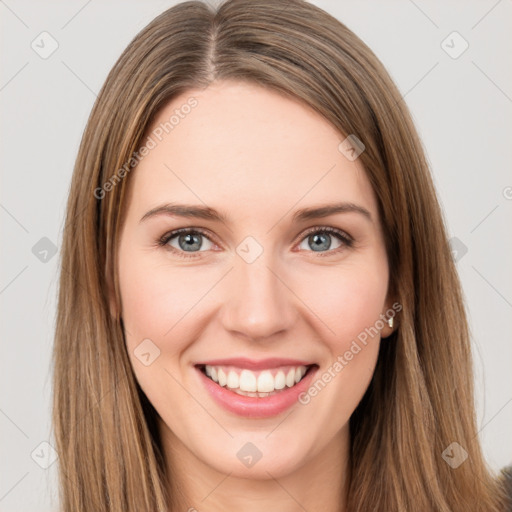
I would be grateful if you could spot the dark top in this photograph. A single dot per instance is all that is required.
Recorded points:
(506, 478)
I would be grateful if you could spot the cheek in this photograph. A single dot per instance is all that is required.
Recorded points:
(349, 306)
(349, 309)
(158, 305)
(157, 299)
(347, 300)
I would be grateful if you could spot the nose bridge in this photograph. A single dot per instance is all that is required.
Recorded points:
(258, 303)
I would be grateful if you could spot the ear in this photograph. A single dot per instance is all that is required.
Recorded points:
(390, 314)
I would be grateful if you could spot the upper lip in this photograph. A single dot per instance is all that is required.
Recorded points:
(252, 364)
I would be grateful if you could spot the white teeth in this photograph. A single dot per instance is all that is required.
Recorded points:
(280, 380)
(265, 382)
(222, 377)
(211, 371)
(233, 380)
(251, 383)
(252, 393)
(248, 381)
(290, 378)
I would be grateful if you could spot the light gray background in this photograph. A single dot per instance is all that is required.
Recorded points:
(462, 108)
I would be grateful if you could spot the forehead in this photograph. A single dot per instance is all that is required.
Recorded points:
(242, 145)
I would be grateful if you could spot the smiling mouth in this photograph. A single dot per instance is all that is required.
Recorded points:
(258, 384)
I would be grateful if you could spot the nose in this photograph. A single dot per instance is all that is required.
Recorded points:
(259, 302)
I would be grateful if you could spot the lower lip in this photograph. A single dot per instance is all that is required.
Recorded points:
(254, 407)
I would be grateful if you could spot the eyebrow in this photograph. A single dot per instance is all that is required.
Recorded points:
(207, 213)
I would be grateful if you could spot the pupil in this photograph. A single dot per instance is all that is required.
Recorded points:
(190, 240)
(316, 238)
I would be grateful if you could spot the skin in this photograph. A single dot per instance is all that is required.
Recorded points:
(257, 157)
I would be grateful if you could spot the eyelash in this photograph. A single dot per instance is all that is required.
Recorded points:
(341, 235)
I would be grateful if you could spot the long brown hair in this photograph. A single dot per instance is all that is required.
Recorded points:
(421, 397)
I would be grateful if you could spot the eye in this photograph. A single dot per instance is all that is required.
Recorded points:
(320, 238)
(186, 238)
(189, 240)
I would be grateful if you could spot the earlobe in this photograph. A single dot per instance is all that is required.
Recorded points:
(390, 322)
(388, 327)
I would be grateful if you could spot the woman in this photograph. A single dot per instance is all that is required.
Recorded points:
(212, 349)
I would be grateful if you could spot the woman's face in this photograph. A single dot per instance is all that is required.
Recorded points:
(259, 297)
